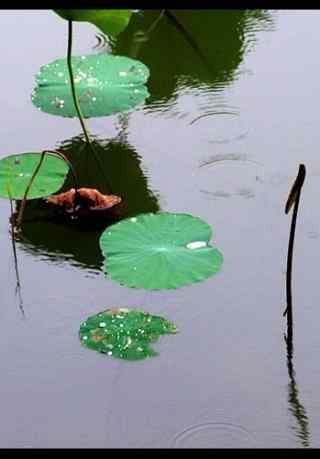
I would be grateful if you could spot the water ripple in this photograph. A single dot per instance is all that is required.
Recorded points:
(214, 435)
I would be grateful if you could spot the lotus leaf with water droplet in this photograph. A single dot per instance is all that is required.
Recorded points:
(17, 170)
(105, 84)
(159, 251)
(124, 333)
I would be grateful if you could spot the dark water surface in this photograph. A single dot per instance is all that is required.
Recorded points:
(220, 137)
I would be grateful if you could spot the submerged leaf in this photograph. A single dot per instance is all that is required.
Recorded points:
(110, 22)
(17, 170)
(159, 251)
(124, 333)
(105, 84)
(84, 197)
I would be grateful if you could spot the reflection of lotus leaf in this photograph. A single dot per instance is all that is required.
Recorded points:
(111, 22)
(124, 333)
(159, 251)
(16, 172)
(105, 84)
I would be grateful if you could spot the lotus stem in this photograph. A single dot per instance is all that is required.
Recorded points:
(24, 199)
(76, 103)
(64, 158)
(73, 89)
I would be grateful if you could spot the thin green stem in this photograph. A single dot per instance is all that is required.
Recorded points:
(73, 89)
(52, 153)
(77, 106)
(64, 158)
(24, 199)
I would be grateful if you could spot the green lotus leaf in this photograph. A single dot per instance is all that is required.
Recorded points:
(105, 84)
(110, 22)
(124, 333)
(17, 170)
(159, 251)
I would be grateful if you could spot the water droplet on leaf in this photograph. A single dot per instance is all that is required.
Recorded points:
(196, 245)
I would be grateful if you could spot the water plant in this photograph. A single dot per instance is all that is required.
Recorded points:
(105, 84)
(32, 175)
(151, 251)
(124, 333)
(109, 21)
(159, 251)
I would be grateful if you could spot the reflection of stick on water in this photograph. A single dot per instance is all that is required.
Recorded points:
(16, 267)
(296, 408)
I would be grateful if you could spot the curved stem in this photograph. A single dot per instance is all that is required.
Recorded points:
(72, 169)
(24, 199)
(73, 89)
(64, 158)
(52, 153)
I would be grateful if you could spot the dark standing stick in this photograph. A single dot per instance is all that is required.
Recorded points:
(296, 407)
(293, 199)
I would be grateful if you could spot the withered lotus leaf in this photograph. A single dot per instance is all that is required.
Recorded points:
(84, 198)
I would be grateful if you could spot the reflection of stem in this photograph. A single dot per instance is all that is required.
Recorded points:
(24, 199)
(124, 123)
(136, 44)
(293, 199)
(73, 89)
(155, 22)
(96, 155)
(18, 284)
(192, 42)
(296, 407)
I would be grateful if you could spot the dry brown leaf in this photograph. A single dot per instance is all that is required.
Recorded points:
(84, 198)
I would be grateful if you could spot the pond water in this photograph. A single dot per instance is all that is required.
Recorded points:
(220, 137)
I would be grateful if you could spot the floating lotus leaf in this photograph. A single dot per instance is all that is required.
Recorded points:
(105, 84)
(124, 333)
(17, 170)
(159, 251)
(111, 22)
